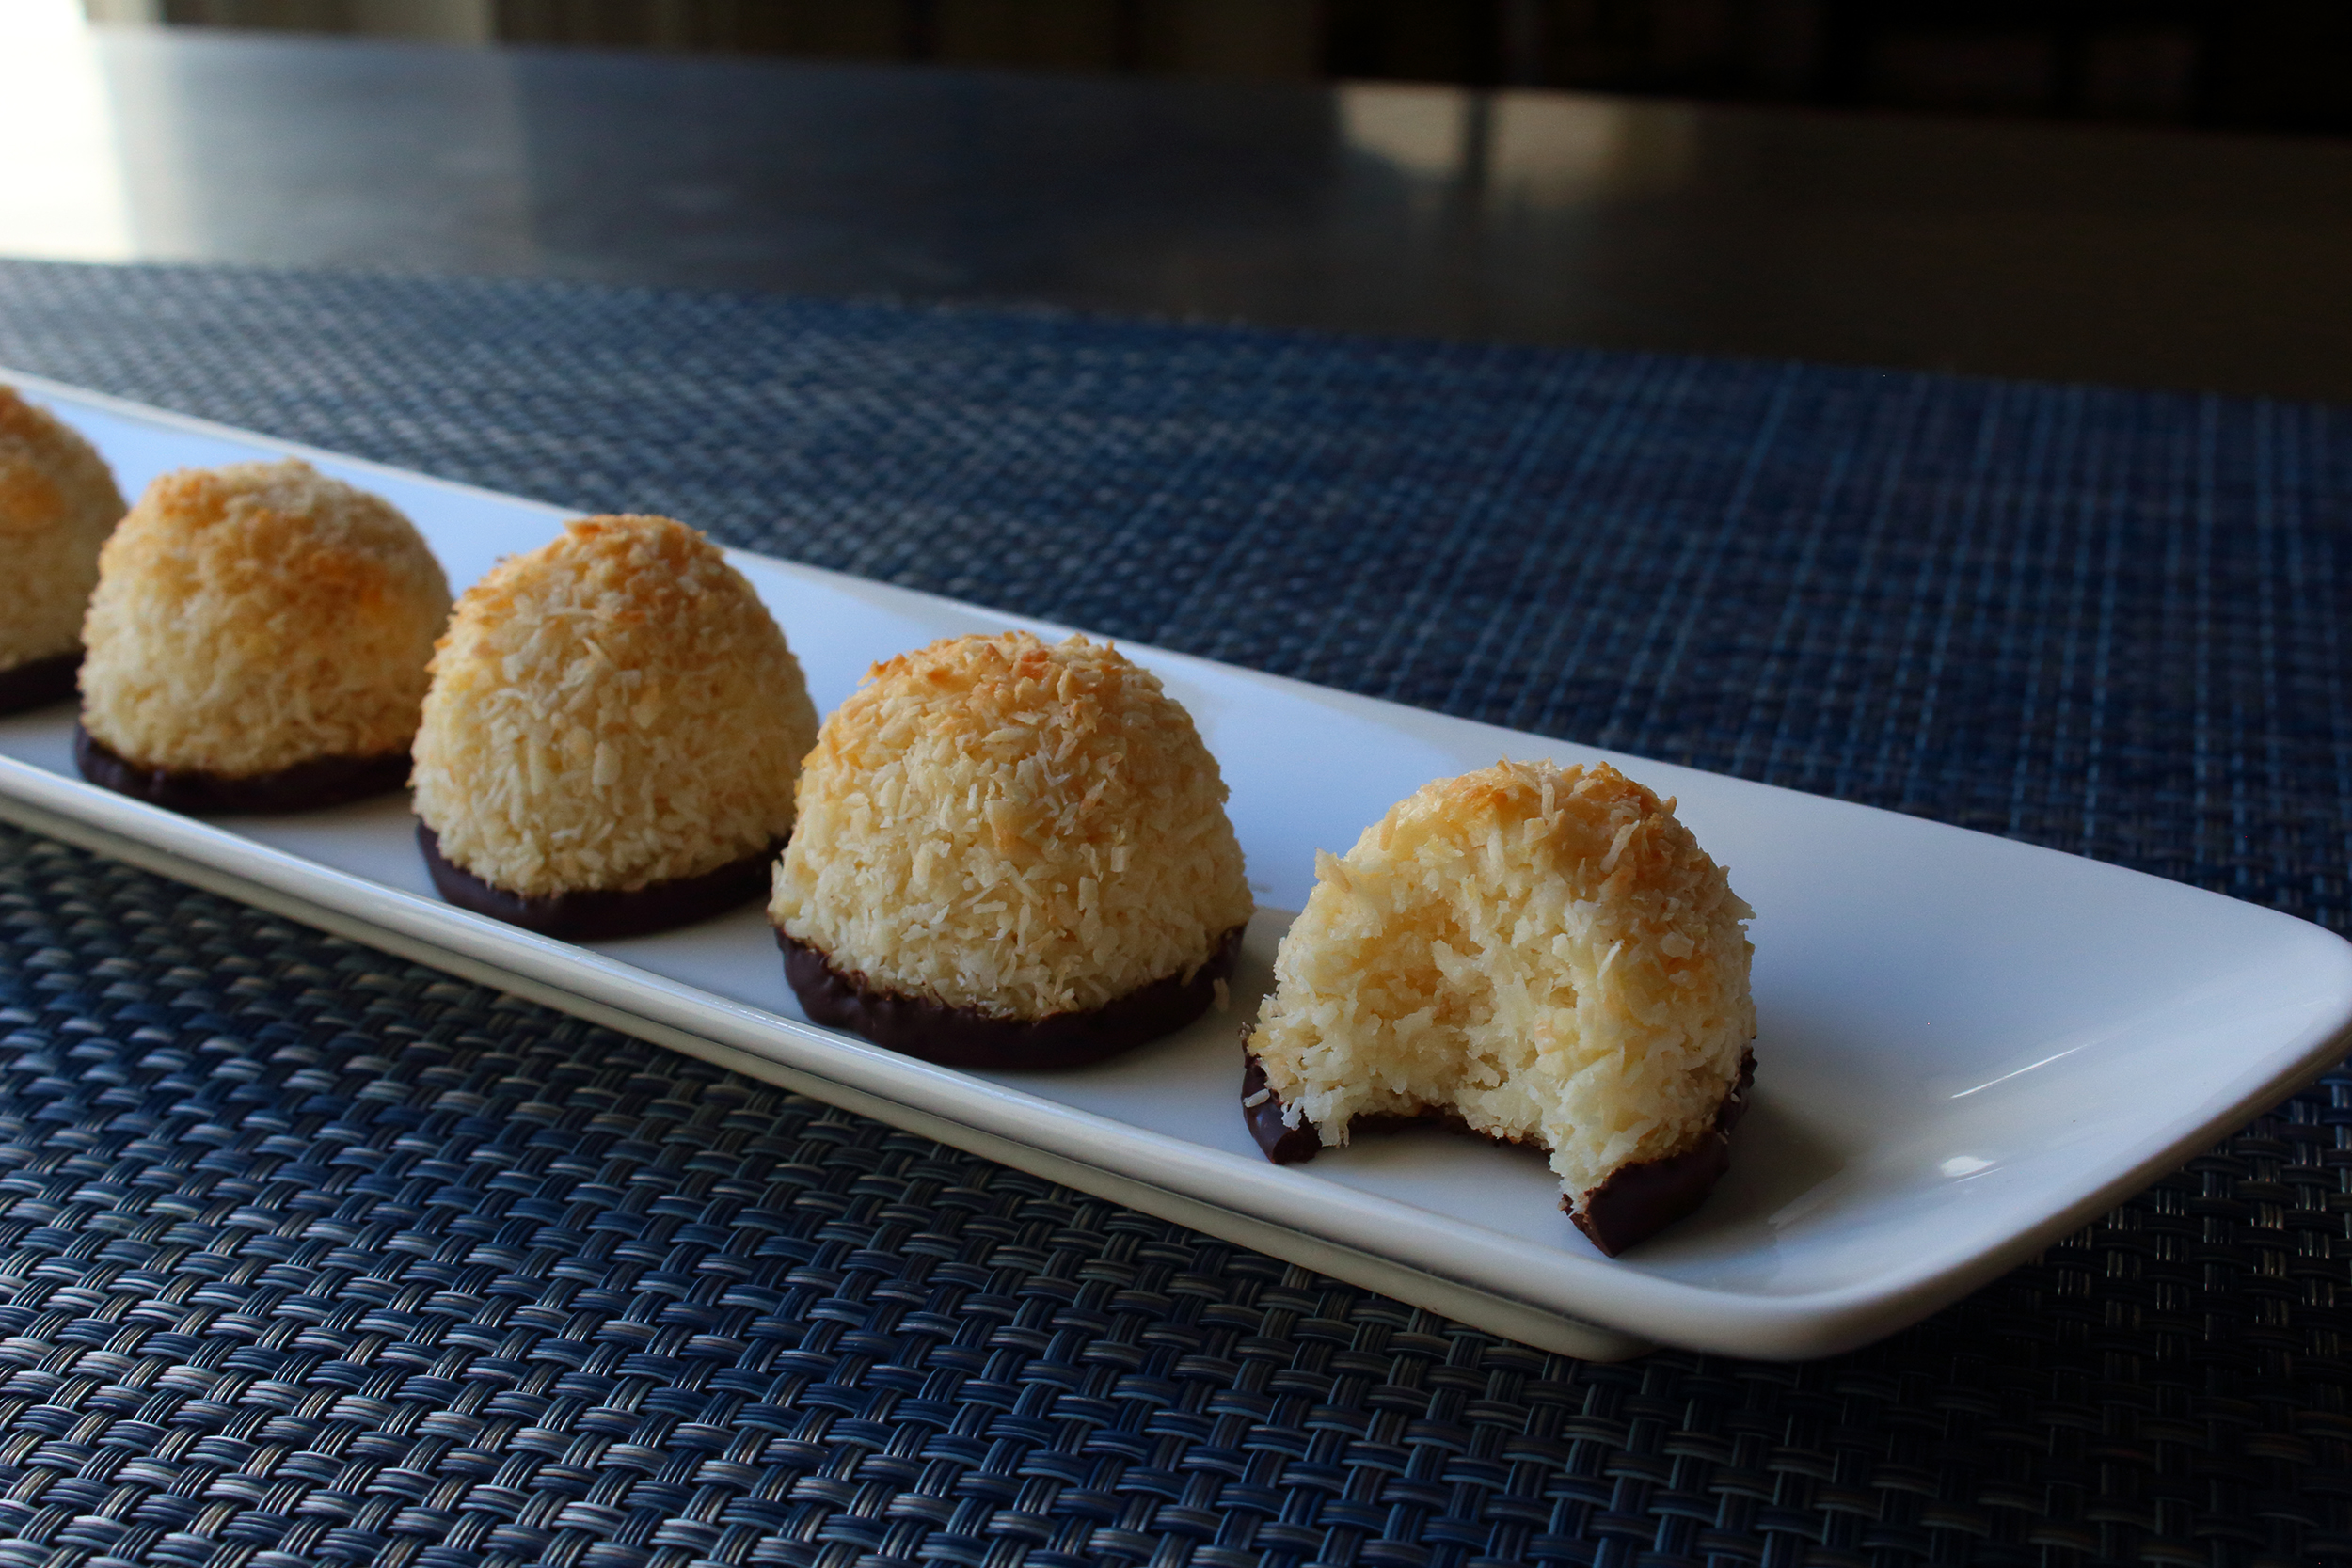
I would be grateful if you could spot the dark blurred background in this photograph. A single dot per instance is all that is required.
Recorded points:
(2271, 65)
(2122, 191)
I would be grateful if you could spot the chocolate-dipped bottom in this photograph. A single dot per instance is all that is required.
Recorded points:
(602, 915)
(1635, 1203)
(311, 785)
(39, 682)
(966, 1037)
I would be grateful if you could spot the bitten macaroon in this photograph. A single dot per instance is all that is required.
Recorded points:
(1538, 954)
(612, 734)
(58, 503)
(257, 643)
(1011, 855)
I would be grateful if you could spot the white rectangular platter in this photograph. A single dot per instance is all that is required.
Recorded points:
(1967, 1046)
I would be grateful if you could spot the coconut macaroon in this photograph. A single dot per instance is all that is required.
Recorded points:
(257, 643)
(57, 502)
(612, 734)
(1540, 953)
(1011, 855)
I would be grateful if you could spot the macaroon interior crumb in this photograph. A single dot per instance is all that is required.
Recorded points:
(1543, 951)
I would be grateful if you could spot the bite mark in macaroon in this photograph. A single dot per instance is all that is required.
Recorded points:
(1538, 955)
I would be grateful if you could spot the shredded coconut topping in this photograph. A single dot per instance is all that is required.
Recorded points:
(992, 823)
(1543, 951)
(58, 503)
(614, 709)
(251, 617)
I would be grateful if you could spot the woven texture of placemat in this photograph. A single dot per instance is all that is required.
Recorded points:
(308, 1255)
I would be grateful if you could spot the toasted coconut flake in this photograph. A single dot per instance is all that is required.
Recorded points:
(57, 504)
(252, 617)
(1022, 829)
(613, 710)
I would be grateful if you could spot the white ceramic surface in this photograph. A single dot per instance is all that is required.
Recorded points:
(1968, 1046)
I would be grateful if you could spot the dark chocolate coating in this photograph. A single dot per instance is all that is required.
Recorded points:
(39, 682)
(1634, 1204)
(1283, 1145)
(964, 1038)
(310, 785)
(1638, 1201)
(601, 914)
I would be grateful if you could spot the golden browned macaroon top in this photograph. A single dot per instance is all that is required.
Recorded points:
(57, 502)
(1545, 952)
(614, 709)
(256, 616)
(1019, 829)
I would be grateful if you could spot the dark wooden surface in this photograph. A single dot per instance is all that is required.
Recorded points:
(2156, 258)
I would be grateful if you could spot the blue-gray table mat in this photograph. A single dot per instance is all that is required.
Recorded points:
(310, 1254)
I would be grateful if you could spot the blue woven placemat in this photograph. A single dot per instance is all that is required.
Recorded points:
(307, 1254)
